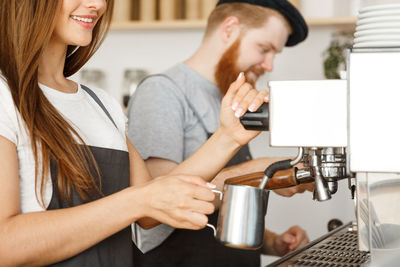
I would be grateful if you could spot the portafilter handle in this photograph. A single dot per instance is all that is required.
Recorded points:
(257, 120)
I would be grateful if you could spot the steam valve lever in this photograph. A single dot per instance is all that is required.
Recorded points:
(257, 120)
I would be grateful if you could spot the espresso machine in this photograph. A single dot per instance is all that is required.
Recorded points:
(344, 129)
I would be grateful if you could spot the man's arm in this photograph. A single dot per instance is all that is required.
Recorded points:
(279, 245)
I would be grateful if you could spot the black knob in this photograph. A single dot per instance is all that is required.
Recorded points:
(333, 224)
(257, 120)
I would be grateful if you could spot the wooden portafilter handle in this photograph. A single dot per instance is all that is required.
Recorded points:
(281, 179)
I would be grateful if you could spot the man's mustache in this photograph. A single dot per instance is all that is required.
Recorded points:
(256, 70)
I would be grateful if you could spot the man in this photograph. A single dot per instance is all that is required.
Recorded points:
(172, 114)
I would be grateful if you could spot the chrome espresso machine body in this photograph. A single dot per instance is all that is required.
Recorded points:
(346, 129)
(310, 115)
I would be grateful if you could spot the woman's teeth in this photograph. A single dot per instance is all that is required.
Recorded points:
(82, 19)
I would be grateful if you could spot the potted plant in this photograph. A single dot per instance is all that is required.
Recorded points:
(335, 54)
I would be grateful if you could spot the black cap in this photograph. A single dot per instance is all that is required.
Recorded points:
(296, 20)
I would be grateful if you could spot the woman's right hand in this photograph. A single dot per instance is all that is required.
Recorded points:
(239, 98)
(181, 201)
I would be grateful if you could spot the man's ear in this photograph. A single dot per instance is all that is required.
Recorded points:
(230, 29)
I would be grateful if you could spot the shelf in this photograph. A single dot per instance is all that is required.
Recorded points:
(199, 24)
(335, 21)
(158, 25)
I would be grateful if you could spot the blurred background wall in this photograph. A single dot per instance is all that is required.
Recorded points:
(157, 49)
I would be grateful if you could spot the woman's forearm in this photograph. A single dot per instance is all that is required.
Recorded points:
(42, 238)
(211, 157)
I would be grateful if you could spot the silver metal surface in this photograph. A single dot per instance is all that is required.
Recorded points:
(299, 157)
(338, 248)
(241, 216)
(303, 175)
(321, 190)
(362, 212)
(333, 163)
(332, 186)
(263, 182)
(325, 166)
(220, 194)
(379, 211)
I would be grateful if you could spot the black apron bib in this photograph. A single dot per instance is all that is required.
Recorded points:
(188, 248)
(116, 250)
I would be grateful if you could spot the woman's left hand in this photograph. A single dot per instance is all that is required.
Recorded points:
(239, 98)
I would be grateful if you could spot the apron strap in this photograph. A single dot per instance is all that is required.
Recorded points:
(98, 101)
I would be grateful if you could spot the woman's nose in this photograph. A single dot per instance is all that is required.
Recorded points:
(96, 4)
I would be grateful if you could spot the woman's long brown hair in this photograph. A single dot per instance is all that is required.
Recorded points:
(26, 27)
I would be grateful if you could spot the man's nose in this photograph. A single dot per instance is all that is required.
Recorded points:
(268, 63)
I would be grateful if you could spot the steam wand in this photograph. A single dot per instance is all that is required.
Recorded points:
(279, 166)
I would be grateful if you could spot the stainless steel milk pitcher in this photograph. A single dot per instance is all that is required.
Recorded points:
(241, 216)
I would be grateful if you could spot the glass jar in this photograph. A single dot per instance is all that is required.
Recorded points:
(132, 78)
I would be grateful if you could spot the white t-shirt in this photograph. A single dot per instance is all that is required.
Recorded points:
(81, 112)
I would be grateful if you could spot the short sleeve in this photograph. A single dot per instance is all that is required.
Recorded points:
(147, 240)
(8, 119)
(156, 120)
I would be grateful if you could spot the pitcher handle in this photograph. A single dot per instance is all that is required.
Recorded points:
(213, 228)
(209, 224)
(219, 192)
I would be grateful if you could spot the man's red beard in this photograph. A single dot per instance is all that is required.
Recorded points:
(227, 69)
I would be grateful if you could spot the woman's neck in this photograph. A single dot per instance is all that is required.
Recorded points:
(51, 68)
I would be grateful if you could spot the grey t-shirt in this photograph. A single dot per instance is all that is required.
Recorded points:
(162, 114)
(170, 118)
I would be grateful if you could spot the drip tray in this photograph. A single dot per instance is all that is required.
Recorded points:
(338, 248)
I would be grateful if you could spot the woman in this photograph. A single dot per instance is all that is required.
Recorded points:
(66, 165)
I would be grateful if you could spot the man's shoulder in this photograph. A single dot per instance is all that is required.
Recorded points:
(180, 74)
(171, 80)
